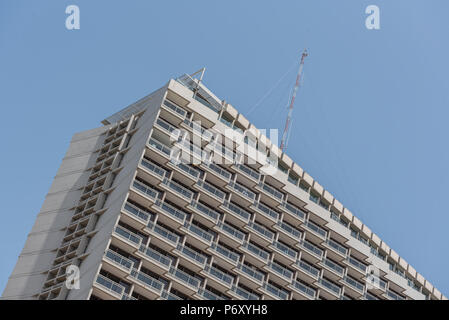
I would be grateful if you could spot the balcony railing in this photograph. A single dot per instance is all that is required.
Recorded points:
(257, 251)
(153, 168)
(147, 280)
(394, 296)
(231, 231)
(329, 285)
(128, 235)
(308, 268)
(315, 228)
(192, 254)
(281, 294)
(173, 212)
(248, 171)
(218, 170)
(266, 210)
(205, 134)
(225, 252)
(338, 247)
(118, 259)
(271, 190)
(245, 295)
(185, 277)
(237, 210)
(261, 230)
(188, 170)
(355, 263)
(206, 236)
(308, 246)
(310, 292)
(354, 284)
(146, 190)
(139, 213)
(170, 296)
(295, 233)
(301, 215)
(181, 112)
(285, 249)
(218, 274)
(168, 235)
(335, 267)
(110, 285)
(207, 211)
(209, 295)
(243, 190)
(160, 147)
(211, 189)
(280, 270)
(182, 191)
(257, 275)
(155, 256)
(165, 125)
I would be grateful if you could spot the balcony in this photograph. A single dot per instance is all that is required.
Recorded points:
(193, 259)
(197, 129)
(207, 295)
(376, 284)
(250, 277)
(185, 172)
(191, 152)
(295, 216)
(154, 260)
(260, 234)
(109, 287)
(218, 277)
(161, 149)
(170, 215)
(173, 132)
(128, 240)
(284, 253)
(331, 290)
(237, 215)
(173, 112)
(183, 281)
(212, 195)
(319, 233)
(222, 176)
(230, 235)
(134, 216)
(205, 215)
(335, 271)
(204, 238)
(275, 292)
(145, 195)
(242, 294)
(256, 255)
(245, 196)
(273, 194)
(152, 172)
(117, 263)
(266, 215)
(337, 251)
(152, 286)
(311, 251)
(162, 237)
(356, 266)
(353, 286)
(225, 258)
(183, 195)
(282, 275)
(293, 235)
(252, 175)
(308, 272)
(302, 291)
(390, 295)
(169, 296)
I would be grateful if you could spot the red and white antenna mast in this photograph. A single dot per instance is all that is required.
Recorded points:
(292, 102)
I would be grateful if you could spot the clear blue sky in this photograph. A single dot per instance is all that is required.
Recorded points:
(370, 122)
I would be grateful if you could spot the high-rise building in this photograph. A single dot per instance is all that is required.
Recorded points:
(178, 196)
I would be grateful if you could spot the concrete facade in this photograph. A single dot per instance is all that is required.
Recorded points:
(139, 225)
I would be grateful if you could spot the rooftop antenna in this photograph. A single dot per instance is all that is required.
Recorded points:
(292, 102)
(202, 70)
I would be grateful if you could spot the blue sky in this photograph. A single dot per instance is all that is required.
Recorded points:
(370, 121)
